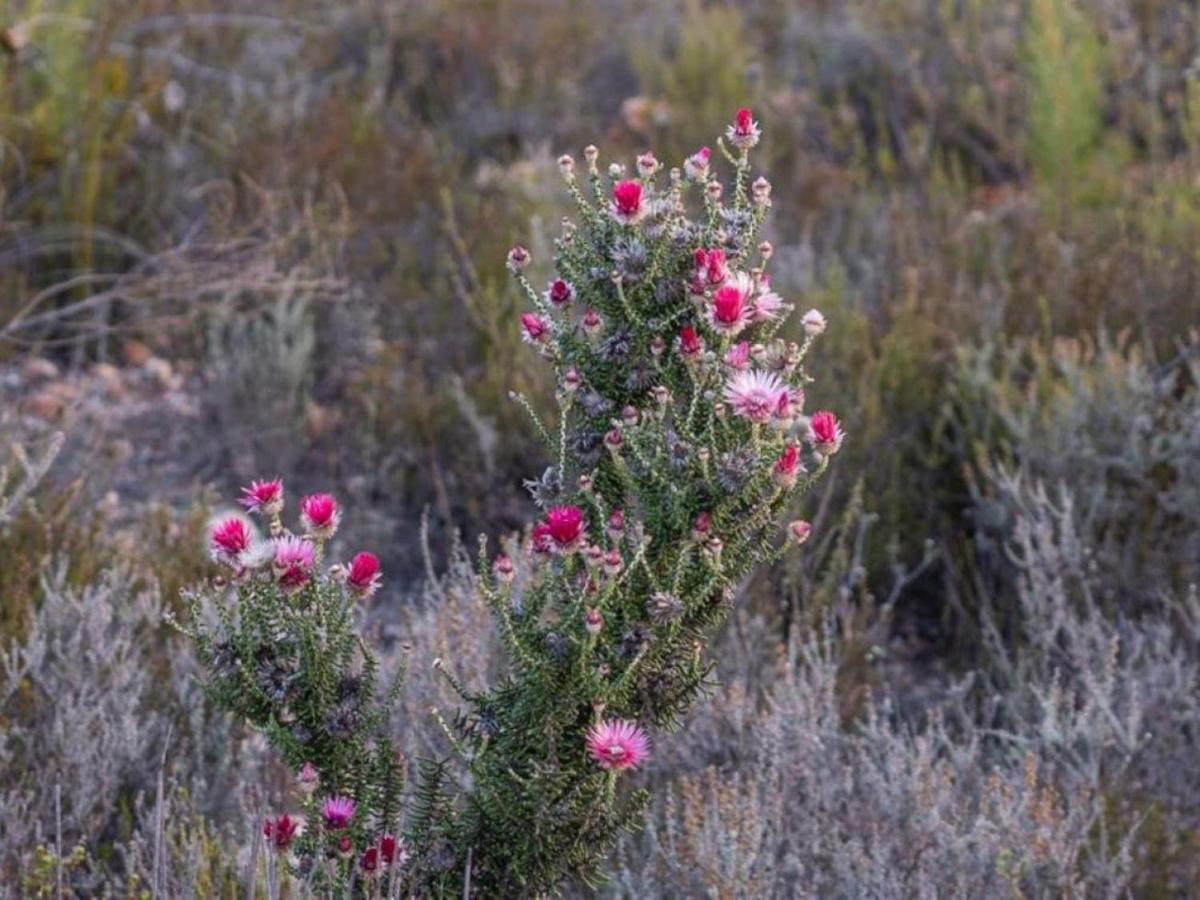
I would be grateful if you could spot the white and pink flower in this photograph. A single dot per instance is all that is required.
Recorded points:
(295, 558)
(364, 575)
(535, 329)
(628, 206)
(264, 497)
(564, 528)
(729, 313)
(744, 133)
(754, 394)
(827, 434)
(320, 515)
(230, 539)
(618, 744)
(695, 167)
(559, 292)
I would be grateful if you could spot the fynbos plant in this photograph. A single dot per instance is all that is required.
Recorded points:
(680, 440)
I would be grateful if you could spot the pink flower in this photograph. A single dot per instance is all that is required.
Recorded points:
(320, 515)
(541, 539)
(393, 851)
(308, 778)
(691, 345)
(294, 561)
(695, 166)
(701, 526)
(728, 312)
(592, 322)
(767, 307)
(787, 466)
(627, 206)
(647, 164)
(279, 831)
(754, 395)
(231, 537)
(737, 357)
(368, 863)
(504, 569)
(564, 526)
(827, 432)
(535, 329)
(799, 531)
(345, 846)
(338, 811)
(560, 292)
(710, 266)
(616, 524)
(593, 622)
(618, 744)
(744, 132)
(566, 165)
(363, 574)
(264, 496)
(761, 191)
(518, 258)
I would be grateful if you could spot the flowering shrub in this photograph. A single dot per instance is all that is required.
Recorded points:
(681, 439)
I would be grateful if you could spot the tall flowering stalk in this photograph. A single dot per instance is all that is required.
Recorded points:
(681, 439)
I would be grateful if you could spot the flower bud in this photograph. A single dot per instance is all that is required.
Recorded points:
(616, 524)
(799, 531)
(657, 345)
(504, 569)
(592, 323)
(766, 250)
(613, 562)
(761, 191)
(701, 526)
(647, 164)
(593, 622)
(714, 190)
(813, 322)
(613, 439)
(566, 165)
(629, 415)
(518, 258)
(571, 380)
(308, 779)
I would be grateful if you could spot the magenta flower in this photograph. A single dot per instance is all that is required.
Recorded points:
(729, 313)
(560, 292)
(534, 328)
(393, 850)
(744, 132)
(618, 744)
(294, 561)
(827, 432)
(363, 574)
(368, 863)
(787, 467)
(338, 811)
(280, 830)
(564, 527)
(518, 258)
(691, 345)
(710, 266)
(264, 496)
(230, 538)
(754, 395)
(627, 207)
(320, 515)
(592, 322)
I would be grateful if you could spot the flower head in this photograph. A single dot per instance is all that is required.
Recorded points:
(560, 292)
(711, 269)
(363, 574)
(754, 394)
(320, 515)
(799, 531)
(280, 830)
(592, 322)
(564, 527)
(393, 851)
(230, 538)
(518, 258)
(729, 313)
(787, 467)
(627, 206)
(504, 569)
(691, 345)
(368, 863)
(768, 306)
(618, 744)
(827, 432)
(566, 165)
(264, 496)
(737, 357)
(696, 165)
(338, 811)
(813, 322)
(647, 164)
(308, 779)
(294, 561)
(534, 328)
(744, 132)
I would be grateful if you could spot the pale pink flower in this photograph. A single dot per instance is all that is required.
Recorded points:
(761, 191)
(827, 432)
(696, 165)
(754, 394)
(618, 744)
(593, 622)
(504, 569)
(338, 811)
(737, 357)
(518, 258)
(813, 322)
(627, 205)
(230, 538)
(308, 779)
(566, 165)
(592, 322)
(363, 575)
(647, 164)
(768, 306)
(264, 496)
(744, 132)
(294, 561)
(799, 531)
(320, 515)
